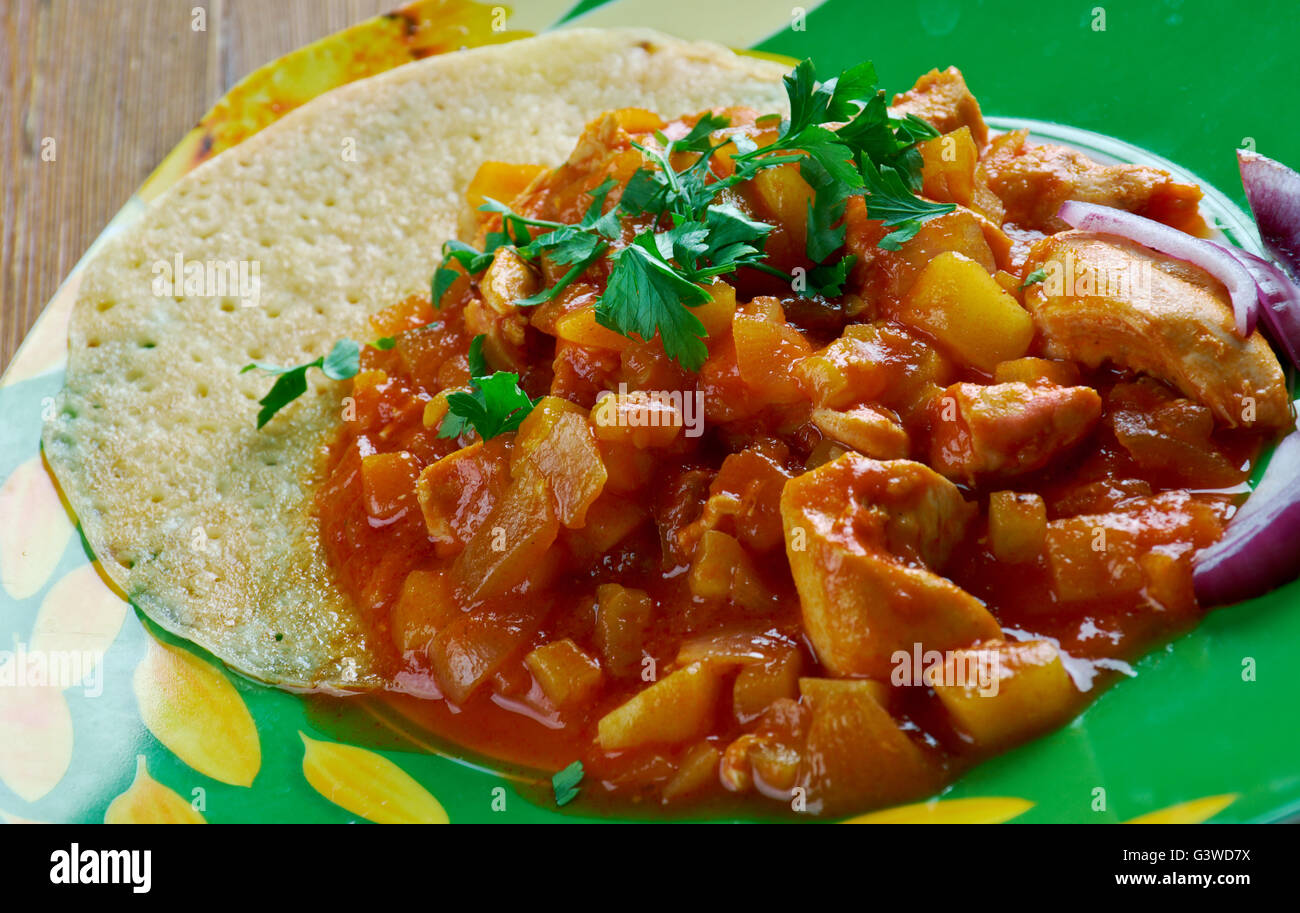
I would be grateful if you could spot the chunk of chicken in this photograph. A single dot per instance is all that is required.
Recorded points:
(871, 430)
(862, 536)
(1004, 429)
(1107, 298)
(944, 101)
(1033, 180)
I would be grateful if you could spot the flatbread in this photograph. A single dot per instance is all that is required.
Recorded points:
(206, 522)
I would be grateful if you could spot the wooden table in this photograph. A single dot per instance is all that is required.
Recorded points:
(109, 88)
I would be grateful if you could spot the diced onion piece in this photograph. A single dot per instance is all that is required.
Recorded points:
(1207, 255)
(1261, 549)
(1273, 191)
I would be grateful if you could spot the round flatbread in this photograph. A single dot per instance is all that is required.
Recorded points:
(335, 211)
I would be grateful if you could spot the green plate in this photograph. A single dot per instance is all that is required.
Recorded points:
(139, 726)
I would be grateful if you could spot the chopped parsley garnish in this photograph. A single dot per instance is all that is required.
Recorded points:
(846, 144)
(840, 134)
(342, 362)
(1033, 278)
(565, 783)
(494, 404)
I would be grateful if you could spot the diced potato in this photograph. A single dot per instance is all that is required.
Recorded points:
(371, 406)
(623, 619)
(1093, 557)
(716, 313)
(766, 351)
(698, 769)
(759, 684)
(514, 538)
(870, 430)
(1000, 244)
(961, 231)
(718, 555)
(579, 326)
(1017, 526)
(426, 605)
(470, 649)
(500, 181)
(1168, 581)
(410, 315)
(721, 569)
(637, 120)
(568, 675)
(557, 440)
(435, 411)
(949, 165)
(727, 398)
(955, 300)
(677, 708)
(786, 195)
(638, 418)
(985, 202)
(1037, 370)
(388, 484)
(855, 754)
(610, 520)
(1002, 693)
(573, 297)
(458, 492)
(627, 467)
(948, 171)
(506, 280)
(1010, 284)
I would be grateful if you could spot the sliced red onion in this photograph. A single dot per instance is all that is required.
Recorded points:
(1261, 549)
(1173, 243)
(1273, 191)
(1279, 302)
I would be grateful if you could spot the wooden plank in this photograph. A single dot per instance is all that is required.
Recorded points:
(93, 96)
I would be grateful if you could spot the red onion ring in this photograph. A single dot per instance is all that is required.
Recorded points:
(1261, 549)
(1279, 302)
(1273, 191)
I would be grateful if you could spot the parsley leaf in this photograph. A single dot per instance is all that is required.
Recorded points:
(342, 362)
(646, 294)
(471, 260)
(891, 202)
(829, 279)
(565, 783)
(478, 366)
(882, 150)
(493, 405)
(1033, 278)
